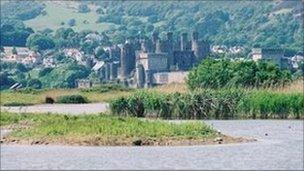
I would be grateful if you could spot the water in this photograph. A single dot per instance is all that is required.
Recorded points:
(281, 149)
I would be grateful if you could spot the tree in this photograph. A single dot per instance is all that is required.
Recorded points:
(5, 80)
(72, 22)
(225, 73)
(40, 41)
(14, 51)
(83, 8)
(34, 83)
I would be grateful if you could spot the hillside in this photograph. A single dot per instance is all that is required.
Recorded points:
(240, 23)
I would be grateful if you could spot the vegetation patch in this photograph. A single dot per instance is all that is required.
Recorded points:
(72, 99)
(106, 88)
(211, 104)
(17, 104)
(39, 97)
(109, 130)
(225, 73)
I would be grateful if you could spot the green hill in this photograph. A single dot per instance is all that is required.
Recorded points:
(245, 23)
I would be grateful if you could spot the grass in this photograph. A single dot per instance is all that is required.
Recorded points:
(58, 12)
(94, 95)
(19, 97)
(98, 95)
(101, 129)
(212, 104)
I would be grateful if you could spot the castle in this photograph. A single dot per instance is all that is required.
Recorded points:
(145, 62)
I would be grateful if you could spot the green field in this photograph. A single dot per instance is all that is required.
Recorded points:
(101, 130)
(24, 97)
(59, 12)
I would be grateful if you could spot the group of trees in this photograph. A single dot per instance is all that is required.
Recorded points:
(226, 73)
(246, 23)
(13, 31)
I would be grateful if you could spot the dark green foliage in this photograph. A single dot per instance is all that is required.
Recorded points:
(225, 73)
(64, 76)
(22, 10)
(14, 51)
(12, 34)
(45, 71)
(17, 104)
(49, 100)
(72, 22)
(40, 42)
(110, 19)
(13, 31)
(72, 99)
(34, 83)
(83, 8)
(211, 104)
(5, 80)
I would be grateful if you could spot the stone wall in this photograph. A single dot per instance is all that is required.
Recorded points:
(169, 77)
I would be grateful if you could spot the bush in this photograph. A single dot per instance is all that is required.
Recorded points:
(83, 8)
(72, 99)
(34, 83)
(72, 22)
(49, 100)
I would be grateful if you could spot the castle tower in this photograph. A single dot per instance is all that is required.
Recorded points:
(113, 71)
(158, 46)
(146, 46)
(148, 76)
(154, 40)
(170, 48)
(184, 41)
(195, 46)
(140, 76)
(127, 60)
(107, 71)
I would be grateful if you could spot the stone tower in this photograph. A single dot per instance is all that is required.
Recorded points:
(113, 71)
(159, 46)
(127, 60)
(170, 48)
(195, 46)
(146, 45)
(154, 40)
(140, 76)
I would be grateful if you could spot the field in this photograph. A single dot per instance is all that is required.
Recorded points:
(38, 97)
(105, 130)
(62, 11)
(58, 12)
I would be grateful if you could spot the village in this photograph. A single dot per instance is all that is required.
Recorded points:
(146, 62)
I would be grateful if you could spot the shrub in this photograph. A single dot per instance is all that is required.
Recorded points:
(34, 83)
(72, 99)
(49, 100)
